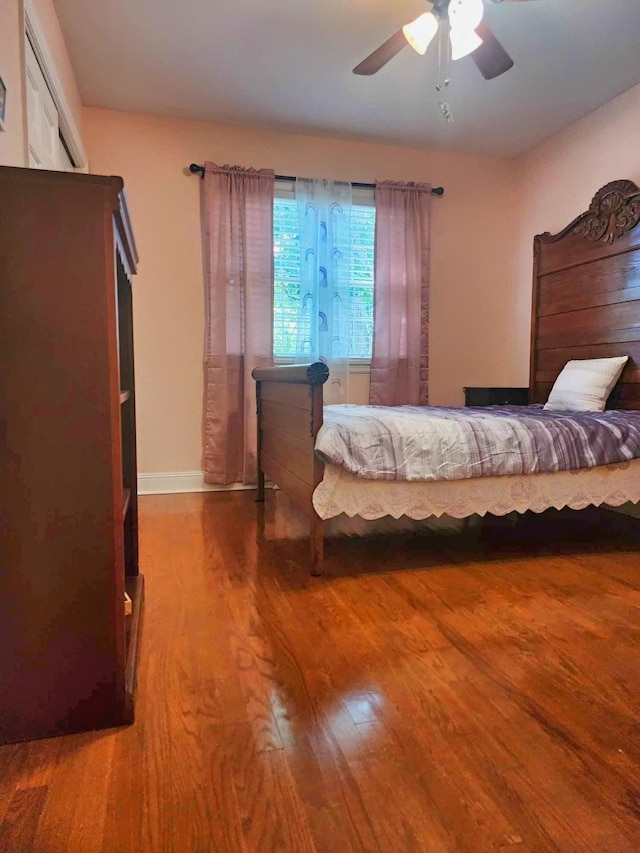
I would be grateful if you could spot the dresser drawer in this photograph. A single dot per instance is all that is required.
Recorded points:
(496, 396)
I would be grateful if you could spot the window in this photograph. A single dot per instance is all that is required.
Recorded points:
(286, 253)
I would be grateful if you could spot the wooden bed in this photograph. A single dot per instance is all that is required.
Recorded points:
(586, 304)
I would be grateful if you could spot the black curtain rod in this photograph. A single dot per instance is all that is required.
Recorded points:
(195, 169)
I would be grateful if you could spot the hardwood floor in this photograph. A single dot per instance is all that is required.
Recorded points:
(447, 691)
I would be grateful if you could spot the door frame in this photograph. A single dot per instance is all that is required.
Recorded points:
(68, 128)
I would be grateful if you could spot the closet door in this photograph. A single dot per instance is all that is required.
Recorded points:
(42, 117)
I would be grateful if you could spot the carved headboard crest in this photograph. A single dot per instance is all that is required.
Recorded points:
(614, 210)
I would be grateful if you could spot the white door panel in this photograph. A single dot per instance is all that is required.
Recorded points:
(42, 117)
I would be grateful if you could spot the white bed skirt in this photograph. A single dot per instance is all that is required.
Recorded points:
(342, 492)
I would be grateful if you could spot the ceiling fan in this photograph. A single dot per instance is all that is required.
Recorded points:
(468, 35)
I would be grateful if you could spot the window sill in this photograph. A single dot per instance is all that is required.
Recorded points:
(358, 365)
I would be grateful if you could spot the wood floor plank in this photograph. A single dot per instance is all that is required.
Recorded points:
(473, 687)
(330, 793)
(72, 824)
(20, 821)
(272, 816)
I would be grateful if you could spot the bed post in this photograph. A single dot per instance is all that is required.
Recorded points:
(317, 545)
(317, 524)
(260, 490)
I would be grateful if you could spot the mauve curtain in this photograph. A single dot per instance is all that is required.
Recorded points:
(400, 357)
(238, 248)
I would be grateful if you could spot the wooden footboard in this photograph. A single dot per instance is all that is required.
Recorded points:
(289, 400)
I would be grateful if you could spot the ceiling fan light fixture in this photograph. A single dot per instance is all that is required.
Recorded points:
(465, 14)
(419, 33)
(463, 42)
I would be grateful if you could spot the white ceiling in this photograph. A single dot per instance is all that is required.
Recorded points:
(286, 64)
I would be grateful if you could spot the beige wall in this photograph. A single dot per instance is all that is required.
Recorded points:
(481, 237)
(13, 141)
(472, 240)
(556, 181)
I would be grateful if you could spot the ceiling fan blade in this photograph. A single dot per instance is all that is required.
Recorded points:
(491, 58)
(379, 58)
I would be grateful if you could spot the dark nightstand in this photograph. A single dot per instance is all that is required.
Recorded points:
(496, 396)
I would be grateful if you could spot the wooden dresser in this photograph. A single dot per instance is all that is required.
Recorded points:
(68, 512)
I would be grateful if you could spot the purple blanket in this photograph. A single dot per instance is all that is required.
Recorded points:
(434, 443)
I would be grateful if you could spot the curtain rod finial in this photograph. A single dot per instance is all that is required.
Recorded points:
(195, 169)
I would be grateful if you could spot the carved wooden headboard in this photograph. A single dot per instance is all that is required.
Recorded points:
(586, 293)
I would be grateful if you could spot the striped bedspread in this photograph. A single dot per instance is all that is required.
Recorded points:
(434, 443)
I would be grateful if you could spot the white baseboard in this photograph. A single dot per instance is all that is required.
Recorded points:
(178, 482)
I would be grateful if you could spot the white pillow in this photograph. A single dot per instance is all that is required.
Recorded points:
(584, 386)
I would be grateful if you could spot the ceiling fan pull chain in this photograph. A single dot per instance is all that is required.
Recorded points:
(445, 111)
(439, 79)
(443, 74)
